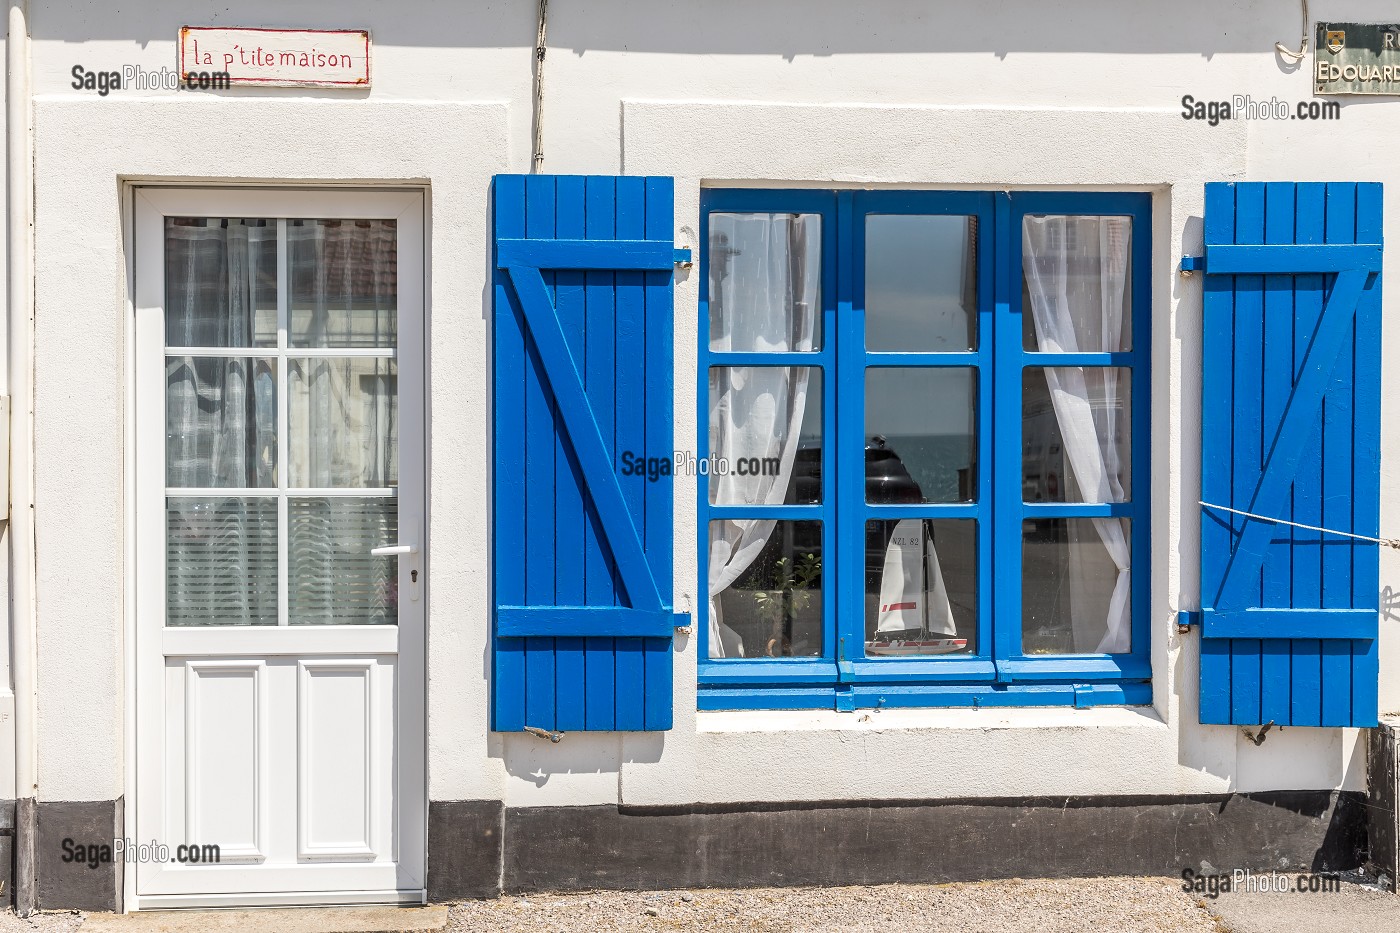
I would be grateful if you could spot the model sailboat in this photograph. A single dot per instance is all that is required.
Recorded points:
(915, 615)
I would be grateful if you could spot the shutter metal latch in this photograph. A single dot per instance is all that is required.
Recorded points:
(539, 733)
(681, 257)
(1257, 739)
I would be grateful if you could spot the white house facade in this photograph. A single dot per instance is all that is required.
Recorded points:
(498, 447)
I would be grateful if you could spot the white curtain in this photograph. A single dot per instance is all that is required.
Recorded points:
(1076, 271)
(221, 421)
(765, 294)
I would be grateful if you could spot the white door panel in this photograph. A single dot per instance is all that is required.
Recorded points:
(280, 498)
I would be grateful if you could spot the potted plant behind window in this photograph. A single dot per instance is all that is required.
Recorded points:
(782, 594)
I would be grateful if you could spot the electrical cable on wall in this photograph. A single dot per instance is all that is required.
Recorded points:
(1288, 53)
(537, 160)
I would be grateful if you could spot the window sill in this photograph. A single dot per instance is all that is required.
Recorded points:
(881, 720)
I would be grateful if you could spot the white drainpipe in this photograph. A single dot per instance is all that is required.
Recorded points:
(19, 360)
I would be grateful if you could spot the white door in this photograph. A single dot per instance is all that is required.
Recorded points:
(280, 518)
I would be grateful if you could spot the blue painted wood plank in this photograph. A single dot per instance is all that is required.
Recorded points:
(629, 310)
(1366, 516)
(1305, 700)
(584, 253)
(601, 375)
(1336, 682)
(571, 524)
(659, 216)
(1238, 259)
(508, 514)
(1217, 437)
(575, 622)
(1277, 568)
(1276, 624)
(539, 424)
(1247, 452)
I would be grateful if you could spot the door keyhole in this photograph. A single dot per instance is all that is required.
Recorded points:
(413, 575)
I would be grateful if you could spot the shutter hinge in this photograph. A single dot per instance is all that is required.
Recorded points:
(1190, 264)
(1187, 618)
(681, 257)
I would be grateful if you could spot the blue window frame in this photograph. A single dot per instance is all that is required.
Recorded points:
(913, 312)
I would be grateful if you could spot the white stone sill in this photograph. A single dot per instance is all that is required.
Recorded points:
(877, 720)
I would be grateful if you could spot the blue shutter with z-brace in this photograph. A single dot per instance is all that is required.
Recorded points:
(1290, 430)
(582, 385)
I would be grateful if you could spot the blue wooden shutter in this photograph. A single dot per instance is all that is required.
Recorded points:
(582, 376)
(1290, 429)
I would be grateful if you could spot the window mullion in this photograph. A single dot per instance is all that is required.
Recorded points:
(283, 435)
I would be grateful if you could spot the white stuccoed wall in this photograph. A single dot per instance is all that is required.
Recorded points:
(1013, 94)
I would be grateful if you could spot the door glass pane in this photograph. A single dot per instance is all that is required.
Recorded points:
(220, 421)
(1077, 431)
(1077, 283)
(220, 282)
(920, 434)
(343, 287)
(1075, 591)
(766, 586)
(332, 577)
(920, 282)
(765, 435)
(343, 426)
(220, 561)
(765, 282)
(920, 587)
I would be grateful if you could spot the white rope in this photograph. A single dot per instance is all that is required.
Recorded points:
(1388, 542)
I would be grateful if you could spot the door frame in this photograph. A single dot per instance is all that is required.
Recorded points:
(144, 207)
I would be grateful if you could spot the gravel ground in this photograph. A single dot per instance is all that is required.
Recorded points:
(1150, 905)
(1356, 908)
(56, 922)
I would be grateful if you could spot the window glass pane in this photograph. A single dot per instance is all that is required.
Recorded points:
(920, 434)
(765, 435)
(332, 579)
(920, 282)
(765, 589)
(1077, 283)
(1077, 432)
(220, 282)
(220, 421)
(220, 561)
(343, 278)
(343, 422)
(1075, 587)
(765, 282)
(920, 587)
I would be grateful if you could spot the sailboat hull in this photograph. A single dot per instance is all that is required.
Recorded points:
(901, 648)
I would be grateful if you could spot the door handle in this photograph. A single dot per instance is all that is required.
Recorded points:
(393, 550)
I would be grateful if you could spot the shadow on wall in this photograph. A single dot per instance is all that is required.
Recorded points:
(824, 27)
(536, 759)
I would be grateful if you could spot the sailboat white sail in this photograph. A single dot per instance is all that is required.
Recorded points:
(915, 615)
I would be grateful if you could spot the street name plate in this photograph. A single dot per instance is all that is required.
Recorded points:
(1357, 58)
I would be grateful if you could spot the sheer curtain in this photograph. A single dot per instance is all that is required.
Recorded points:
(764, 296)
(221, 422)
(1076, 272)
(342, 429)
(222, 430)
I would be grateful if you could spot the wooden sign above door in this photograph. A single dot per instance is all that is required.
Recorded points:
(276, 57)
